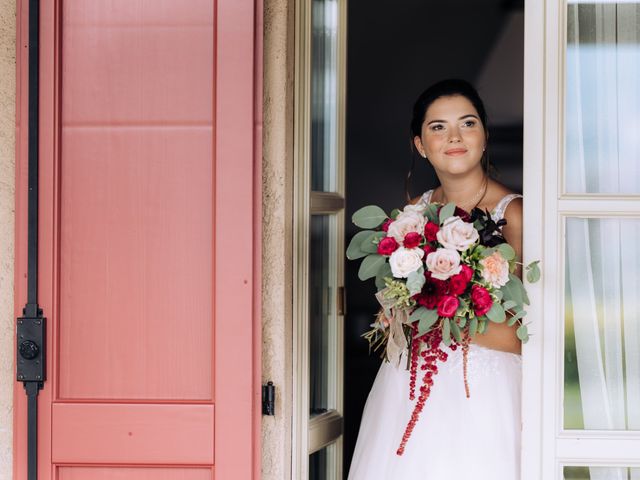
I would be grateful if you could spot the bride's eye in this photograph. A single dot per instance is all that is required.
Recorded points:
(436, 127)
(470, 123)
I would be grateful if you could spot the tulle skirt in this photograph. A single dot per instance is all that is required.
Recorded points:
(455, 438)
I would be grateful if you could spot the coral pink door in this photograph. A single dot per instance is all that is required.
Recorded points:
(149, 239)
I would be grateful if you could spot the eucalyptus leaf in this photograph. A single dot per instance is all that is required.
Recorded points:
(431, 212)
(482, 325)
(488, 252)
(415, 281)
(507, 251)
(446, 332)
(513, 290)
(383, 272)
(370, 266)
(523, 333)
(353, 250)
(518, 282)
(370, 243)
(447, 211)
(509, 304)
(496, 313)
(463, 322)
(455, 330)
(516, 317)
(473, 326)
(426, 319)
(370, 216)
(533, 272)
(394, 213)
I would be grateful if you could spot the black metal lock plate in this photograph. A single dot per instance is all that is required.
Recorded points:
(31, 356)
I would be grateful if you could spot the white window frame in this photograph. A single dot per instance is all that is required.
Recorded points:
(546, 446)
(312, 434)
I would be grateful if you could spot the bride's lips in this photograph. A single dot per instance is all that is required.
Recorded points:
(456, 151)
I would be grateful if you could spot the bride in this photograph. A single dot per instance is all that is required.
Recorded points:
(456, 438)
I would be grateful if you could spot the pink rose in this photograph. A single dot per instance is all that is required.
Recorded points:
(457, 234)
(385, 225)
(443, 263)
(387, 246)
(430, 231)
(481, 299)
(447, 306)
(404, 223)
(412, 240)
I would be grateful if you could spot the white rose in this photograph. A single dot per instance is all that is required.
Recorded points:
(405, 260)
(457, 234)
(495, 270)
(443, 263)
(404, 223)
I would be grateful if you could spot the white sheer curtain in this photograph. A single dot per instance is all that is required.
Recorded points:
(603, 257)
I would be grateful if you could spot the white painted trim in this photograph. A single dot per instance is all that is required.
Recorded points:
(533, 235)
(306, 430)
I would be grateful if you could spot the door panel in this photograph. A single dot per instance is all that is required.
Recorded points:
(108, 473)
(140, 433)
(149, 239)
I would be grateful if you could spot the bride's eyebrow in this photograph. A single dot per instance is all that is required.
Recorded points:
(462, 117)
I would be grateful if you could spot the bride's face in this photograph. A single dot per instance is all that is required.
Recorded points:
(452, 137)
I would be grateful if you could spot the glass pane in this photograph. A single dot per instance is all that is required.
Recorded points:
(602, 324)
(602, 117)
(322, 293)
(601, 473)
(324, 94)
(318, 465)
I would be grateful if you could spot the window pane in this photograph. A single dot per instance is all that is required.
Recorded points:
(318, 465)
(602, 324)
(322, 464)
(324, 94)
(601, 473)
(322, 292)
(602, 117)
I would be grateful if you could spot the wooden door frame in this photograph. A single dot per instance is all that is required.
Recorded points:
(238, 134)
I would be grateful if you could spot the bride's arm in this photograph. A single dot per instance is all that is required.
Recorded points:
(500, 336)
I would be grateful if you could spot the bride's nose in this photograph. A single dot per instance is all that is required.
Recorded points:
(454, 136)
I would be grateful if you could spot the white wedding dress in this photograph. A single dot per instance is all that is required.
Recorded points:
(455, 438)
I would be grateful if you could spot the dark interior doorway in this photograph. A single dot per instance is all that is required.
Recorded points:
(396, 50)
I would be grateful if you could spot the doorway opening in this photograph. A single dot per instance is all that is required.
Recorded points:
(393, 54)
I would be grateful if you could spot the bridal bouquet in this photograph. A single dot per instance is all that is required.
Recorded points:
(442, 275)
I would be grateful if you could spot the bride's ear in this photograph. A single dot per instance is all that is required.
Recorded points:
(418, 144)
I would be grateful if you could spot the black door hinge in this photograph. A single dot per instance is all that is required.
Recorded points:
(268, 399)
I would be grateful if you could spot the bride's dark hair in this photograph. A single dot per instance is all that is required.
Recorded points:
(445, 88)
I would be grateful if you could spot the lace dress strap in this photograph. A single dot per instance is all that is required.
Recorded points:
(426, 197)
(498, 211)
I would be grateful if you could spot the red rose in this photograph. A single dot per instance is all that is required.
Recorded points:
(481, 299)
(458, 284)
(387, 246)
(467, 271)
(447, 306)
(428, 249)
(385, 225)
(430, 230)
(411, 240)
